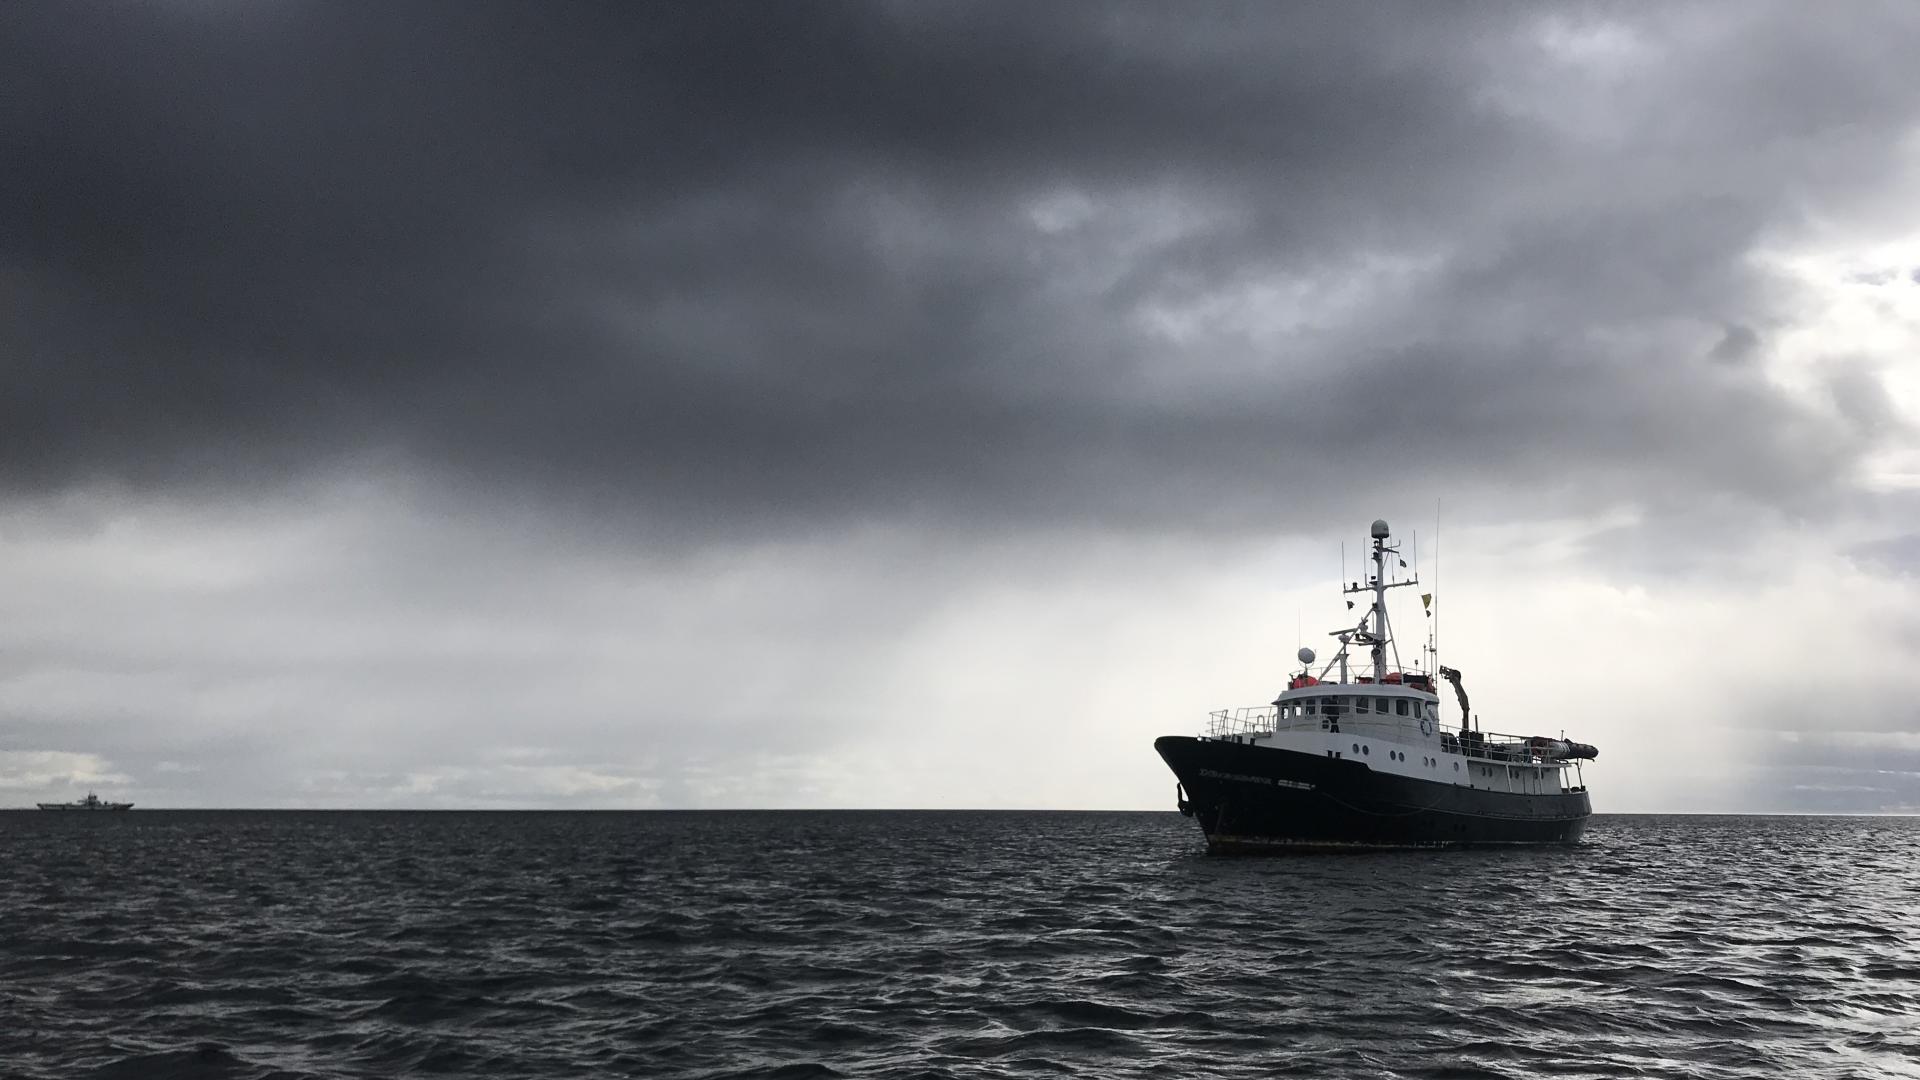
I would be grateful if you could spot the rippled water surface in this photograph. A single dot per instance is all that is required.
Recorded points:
(158, 944)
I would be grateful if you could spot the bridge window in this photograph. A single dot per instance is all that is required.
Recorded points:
(1400, 706)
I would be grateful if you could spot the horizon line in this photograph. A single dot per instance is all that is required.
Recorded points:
(860, 810)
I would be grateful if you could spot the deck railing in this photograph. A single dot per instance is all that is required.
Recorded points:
(1251, 720)
(1360, 673)
(1488, 746)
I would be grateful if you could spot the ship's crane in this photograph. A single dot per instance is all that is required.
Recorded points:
(1452, 675)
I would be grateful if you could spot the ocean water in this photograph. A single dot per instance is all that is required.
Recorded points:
(264, 944)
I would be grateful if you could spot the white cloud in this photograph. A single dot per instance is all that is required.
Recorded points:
(40, 772)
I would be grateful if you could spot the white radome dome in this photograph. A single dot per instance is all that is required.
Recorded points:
(1306, 655)
(1380, 528)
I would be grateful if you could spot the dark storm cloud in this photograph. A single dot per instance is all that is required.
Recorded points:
(1737, 346)
(734, 269)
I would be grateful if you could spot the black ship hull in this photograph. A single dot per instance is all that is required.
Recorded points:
(1256, 799)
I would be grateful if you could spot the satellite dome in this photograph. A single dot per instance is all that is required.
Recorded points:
(1306, 655)
(1379, 528)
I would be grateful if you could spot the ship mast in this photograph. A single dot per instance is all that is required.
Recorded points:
(1373, 630)
(1379, 601)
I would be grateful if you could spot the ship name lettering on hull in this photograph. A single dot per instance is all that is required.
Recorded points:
(1243, 778)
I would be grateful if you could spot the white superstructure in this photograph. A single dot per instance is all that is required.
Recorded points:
(1390, 717)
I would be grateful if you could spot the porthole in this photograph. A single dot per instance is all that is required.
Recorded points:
(1367, 751)
(1356, 748)
(1456, 766)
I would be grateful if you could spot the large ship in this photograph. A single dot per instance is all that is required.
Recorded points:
(91, 802)
(1355, 754)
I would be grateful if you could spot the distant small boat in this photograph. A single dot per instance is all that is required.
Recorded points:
(91, 802)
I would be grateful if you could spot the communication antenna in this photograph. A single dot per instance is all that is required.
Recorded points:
(1416, 577)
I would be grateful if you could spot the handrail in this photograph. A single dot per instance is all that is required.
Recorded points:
(1484, 746)
(1361, 674)
(1250, 720)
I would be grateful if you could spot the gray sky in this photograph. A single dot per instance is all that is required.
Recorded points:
(915, 405)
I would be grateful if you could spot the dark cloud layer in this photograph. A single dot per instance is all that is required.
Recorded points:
(489, 404)
(749, 268)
